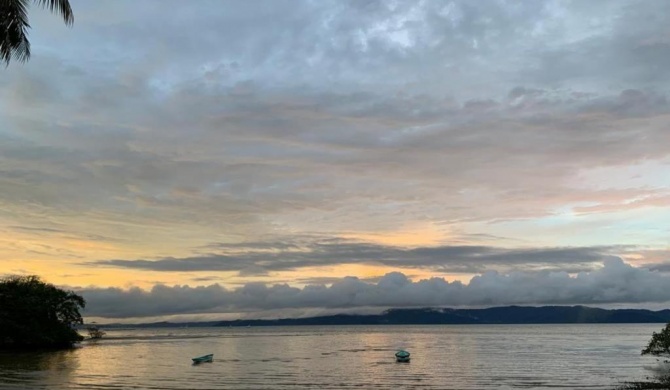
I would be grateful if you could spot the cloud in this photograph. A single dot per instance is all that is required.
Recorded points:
(358, 117)
(630, 46)
(661, 267)
(260, 258)
(614, 282)
(288, 155)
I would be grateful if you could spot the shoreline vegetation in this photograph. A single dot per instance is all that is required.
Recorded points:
(661, 382)
(35, 315)
(658, 346)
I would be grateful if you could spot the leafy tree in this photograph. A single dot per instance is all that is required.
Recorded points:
(95, 333)
(14, 26)
(659, 345)
(35, 314)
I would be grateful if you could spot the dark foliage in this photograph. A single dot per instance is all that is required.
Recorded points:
(35, 314)
(662, 382)
(95, 333)
(659, 345)
(14, 26)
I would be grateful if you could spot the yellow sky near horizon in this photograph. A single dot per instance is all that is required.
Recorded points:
(358, 137)
(62, 259)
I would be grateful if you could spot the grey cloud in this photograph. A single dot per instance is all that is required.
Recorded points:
(628, 46)
(467, 259)
(357, 115)
(287, 151)
(457, 44)
(661, 267)
(64, 232)
(207, 279)
(614, 282)
(630, 103)
(331, 280)
(255, 246)
(470, 48)
(37, 229)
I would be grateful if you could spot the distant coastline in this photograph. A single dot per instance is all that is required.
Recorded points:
(508, 315)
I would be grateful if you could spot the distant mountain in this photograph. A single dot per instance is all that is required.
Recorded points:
(494, 315)
(434, 316)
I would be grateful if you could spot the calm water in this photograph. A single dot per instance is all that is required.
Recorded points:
(443, 357)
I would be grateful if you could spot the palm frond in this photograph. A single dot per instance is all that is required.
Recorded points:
(60, 6)
(13, 26)
(14, 44)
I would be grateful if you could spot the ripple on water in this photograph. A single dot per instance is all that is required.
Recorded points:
(443, 357)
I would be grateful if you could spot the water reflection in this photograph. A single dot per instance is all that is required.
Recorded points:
(341, 357)
(43, 369)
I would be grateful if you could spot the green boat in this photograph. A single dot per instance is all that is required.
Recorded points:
(402, 356)
(203, 359)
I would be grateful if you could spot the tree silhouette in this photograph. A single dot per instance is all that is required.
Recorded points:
(659, 345)
(35, 314)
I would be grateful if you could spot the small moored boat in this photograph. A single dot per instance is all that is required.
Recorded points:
(203, 359)
(402, 356)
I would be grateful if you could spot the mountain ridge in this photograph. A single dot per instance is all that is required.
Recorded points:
(503, 315)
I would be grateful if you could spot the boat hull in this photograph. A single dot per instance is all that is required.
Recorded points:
(203, 359)
(402, 357)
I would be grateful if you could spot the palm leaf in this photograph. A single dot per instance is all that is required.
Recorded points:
(13, 25)
(14, 44)
(59, 6)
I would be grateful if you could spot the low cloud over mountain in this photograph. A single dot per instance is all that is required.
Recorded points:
(614, 282)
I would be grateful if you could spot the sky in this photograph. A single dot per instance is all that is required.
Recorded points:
(225, 159)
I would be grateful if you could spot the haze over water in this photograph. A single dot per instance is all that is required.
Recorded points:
(443, 357)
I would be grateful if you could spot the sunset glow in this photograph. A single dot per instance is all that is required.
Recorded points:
(175, 146)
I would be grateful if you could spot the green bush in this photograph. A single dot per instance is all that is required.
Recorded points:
(659, 345)
(35, 314)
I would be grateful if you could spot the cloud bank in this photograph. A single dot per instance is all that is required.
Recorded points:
(127, 143)
(263, 257)
(614, 282)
